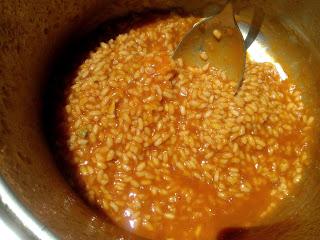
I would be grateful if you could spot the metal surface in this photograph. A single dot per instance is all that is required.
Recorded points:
(19, 219)
(226, 53)
(32, 32)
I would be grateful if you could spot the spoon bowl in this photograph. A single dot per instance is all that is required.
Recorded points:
(216, 40)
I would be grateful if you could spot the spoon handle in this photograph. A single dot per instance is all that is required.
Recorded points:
(256, 23)
(257, 20)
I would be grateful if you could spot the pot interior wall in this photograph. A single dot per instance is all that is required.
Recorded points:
(32, 34)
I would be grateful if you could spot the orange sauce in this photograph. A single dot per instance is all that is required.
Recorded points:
(174, 188)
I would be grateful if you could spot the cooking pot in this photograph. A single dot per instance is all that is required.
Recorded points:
(35, 197)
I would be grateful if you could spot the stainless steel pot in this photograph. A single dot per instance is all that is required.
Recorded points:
(34, 195)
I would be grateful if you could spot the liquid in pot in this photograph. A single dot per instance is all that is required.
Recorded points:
(167, 151)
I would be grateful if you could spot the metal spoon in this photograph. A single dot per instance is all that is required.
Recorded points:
(217, 40)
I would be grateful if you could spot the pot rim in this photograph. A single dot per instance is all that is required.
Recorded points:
(18, 218)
